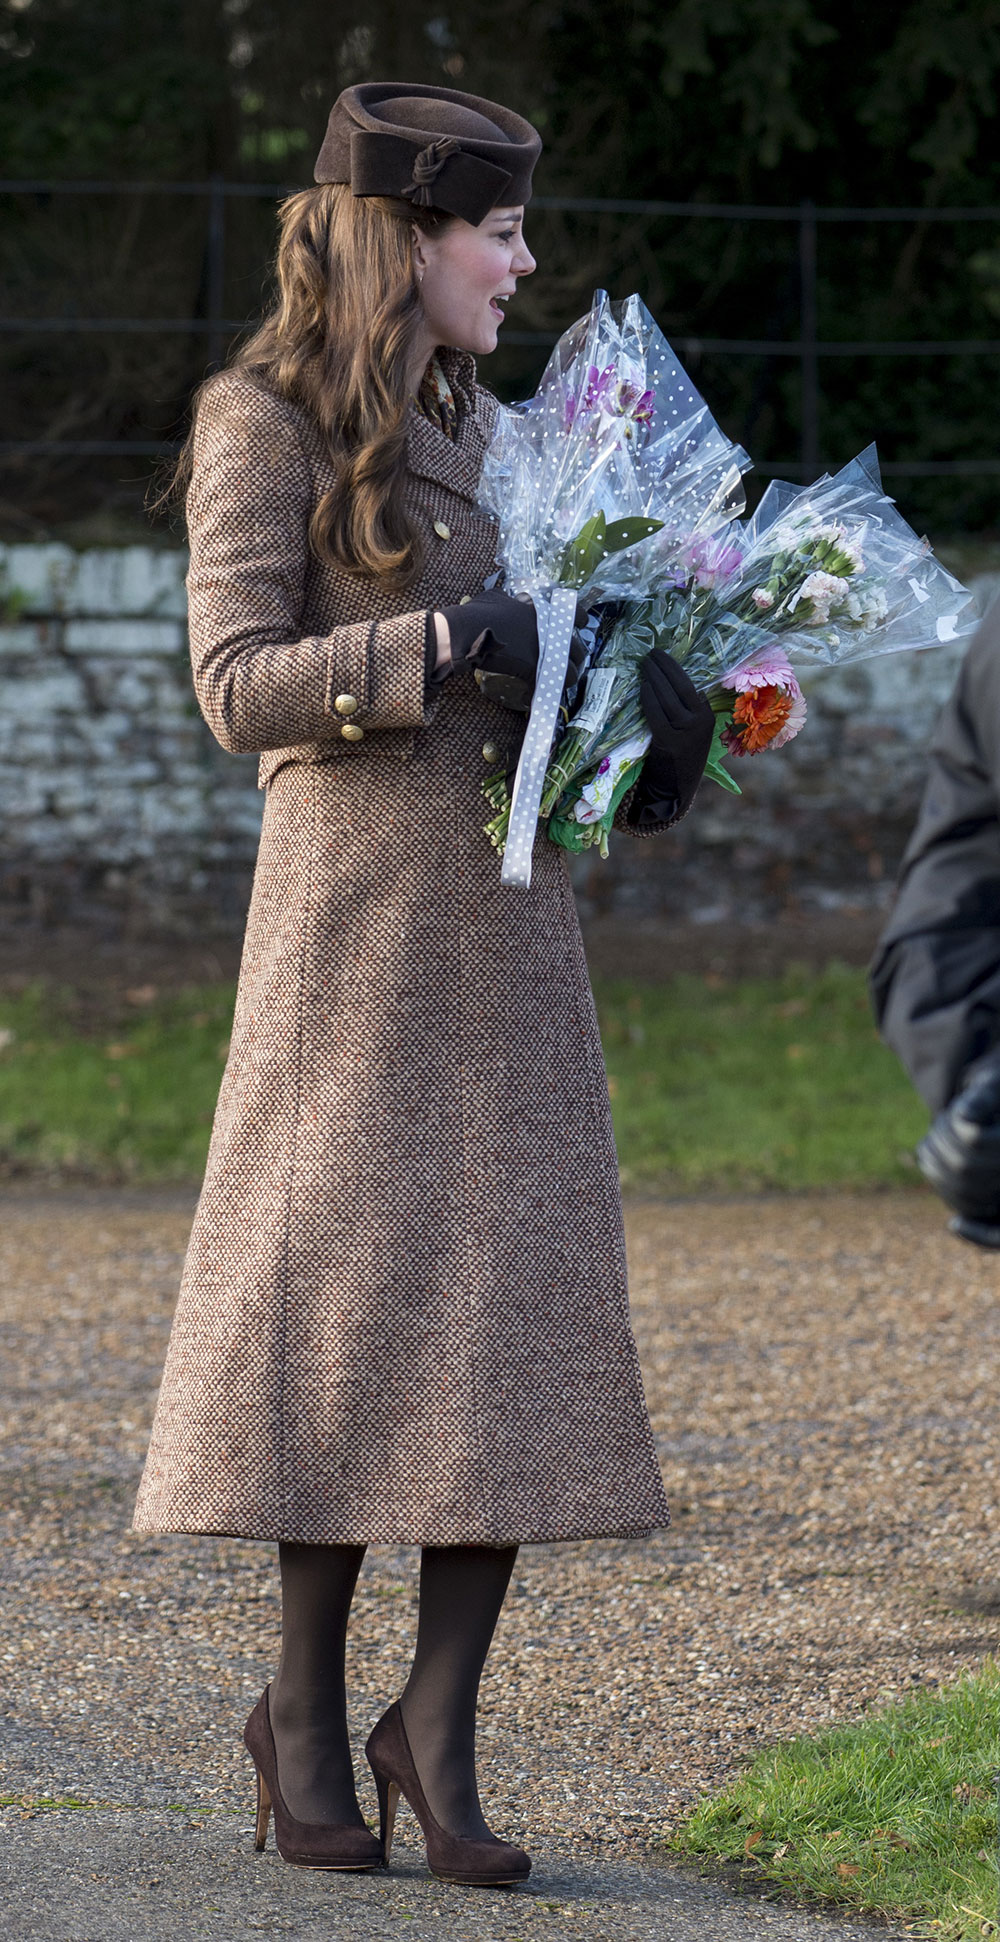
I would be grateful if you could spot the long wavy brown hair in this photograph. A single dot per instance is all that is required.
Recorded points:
(338, 341)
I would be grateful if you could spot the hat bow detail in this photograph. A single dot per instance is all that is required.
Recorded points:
(427, 167)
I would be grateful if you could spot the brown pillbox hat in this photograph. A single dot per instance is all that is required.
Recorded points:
(437, 147)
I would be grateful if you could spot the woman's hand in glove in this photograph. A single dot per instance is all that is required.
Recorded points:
(682, 725)
(498, 636)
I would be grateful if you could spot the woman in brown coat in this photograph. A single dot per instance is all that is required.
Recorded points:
(404, 1313)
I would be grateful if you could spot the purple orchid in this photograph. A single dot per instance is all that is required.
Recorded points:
(710, 562)
(604, 395)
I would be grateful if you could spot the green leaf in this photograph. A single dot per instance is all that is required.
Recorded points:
(596, 540)
(571, 835)
(715, 767)
(584, 554)
(628, 532)
(717, 772)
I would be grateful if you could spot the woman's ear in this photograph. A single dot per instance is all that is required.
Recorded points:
(419, 252)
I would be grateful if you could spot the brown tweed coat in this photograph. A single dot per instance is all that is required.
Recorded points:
(404, 1314)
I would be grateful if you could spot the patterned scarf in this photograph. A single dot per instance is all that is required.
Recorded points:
(436, 399)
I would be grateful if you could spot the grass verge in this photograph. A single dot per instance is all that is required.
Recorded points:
(763, 1084)
(131, 1102)
(894, 1815)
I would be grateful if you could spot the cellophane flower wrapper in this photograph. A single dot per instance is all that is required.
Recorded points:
(819, 576)
(599, 479)
(615, 430)
(891, 594)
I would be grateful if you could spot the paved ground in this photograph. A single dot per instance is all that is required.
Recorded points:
(155, 1877)
(822, 1376)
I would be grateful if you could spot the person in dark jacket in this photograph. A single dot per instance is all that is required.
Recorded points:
(935, 978)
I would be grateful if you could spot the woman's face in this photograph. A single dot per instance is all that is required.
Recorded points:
(465, 274)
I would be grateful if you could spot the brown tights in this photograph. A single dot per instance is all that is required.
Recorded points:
(462, 1589)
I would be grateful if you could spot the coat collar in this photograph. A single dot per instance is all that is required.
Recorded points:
(455, 463)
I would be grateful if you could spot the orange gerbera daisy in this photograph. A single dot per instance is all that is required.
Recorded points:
(759, 715)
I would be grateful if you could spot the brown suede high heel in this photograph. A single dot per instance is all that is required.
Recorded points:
(306, 1844)
(452, 1857)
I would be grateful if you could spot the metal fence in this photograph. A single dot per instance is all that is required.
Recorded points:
(806, 218)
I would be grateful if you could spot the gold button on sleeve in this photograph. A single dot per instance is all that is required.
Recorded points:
(442, 531)
(353, 732)
(346, 704)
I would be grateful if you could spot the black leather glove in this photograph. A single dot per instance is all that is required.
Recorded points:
(682, 725)
(499, 637)
(960, 1156)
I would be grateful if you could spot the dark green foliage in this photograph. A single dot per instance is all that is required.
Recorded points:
(744, 101)
(96, 88)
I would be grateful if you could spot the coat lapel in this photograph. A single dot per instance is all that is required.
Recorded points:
(454, 463)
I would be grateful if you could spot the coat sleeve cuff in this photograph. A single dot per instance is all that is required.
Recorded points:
(380, 667)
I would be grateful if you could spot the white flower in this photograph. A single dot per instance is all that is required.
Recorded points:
(850, 551)
(867, 606)
(596, 796)
(844, 552)
(762, 600)
(789, 535)
(823, 591)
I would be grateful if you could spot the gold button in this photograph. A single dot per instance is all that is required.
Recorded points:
(353, 732)
(442, 531)
(346, 704)
(490, 752)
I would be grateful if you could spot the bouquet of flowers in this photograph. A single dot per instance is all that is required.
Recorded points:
(824, 574)
(615, 480)
(616, 455)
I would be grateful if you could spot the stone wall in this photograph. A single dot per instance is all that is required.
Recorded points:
(115, 798)
(113, 794)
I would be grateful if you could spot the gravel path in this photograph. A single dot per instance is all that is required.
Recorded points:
(822, 1374)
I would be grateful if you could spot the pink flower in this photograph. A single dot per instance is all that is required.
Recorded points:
(796, 719)
(768, 668)
(762, 600)
(599, 383)
(771, 709)
(710, 562)
(633, 403)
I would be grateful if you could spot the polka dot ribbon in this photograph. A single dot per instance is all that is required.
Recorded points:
(556, 620)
